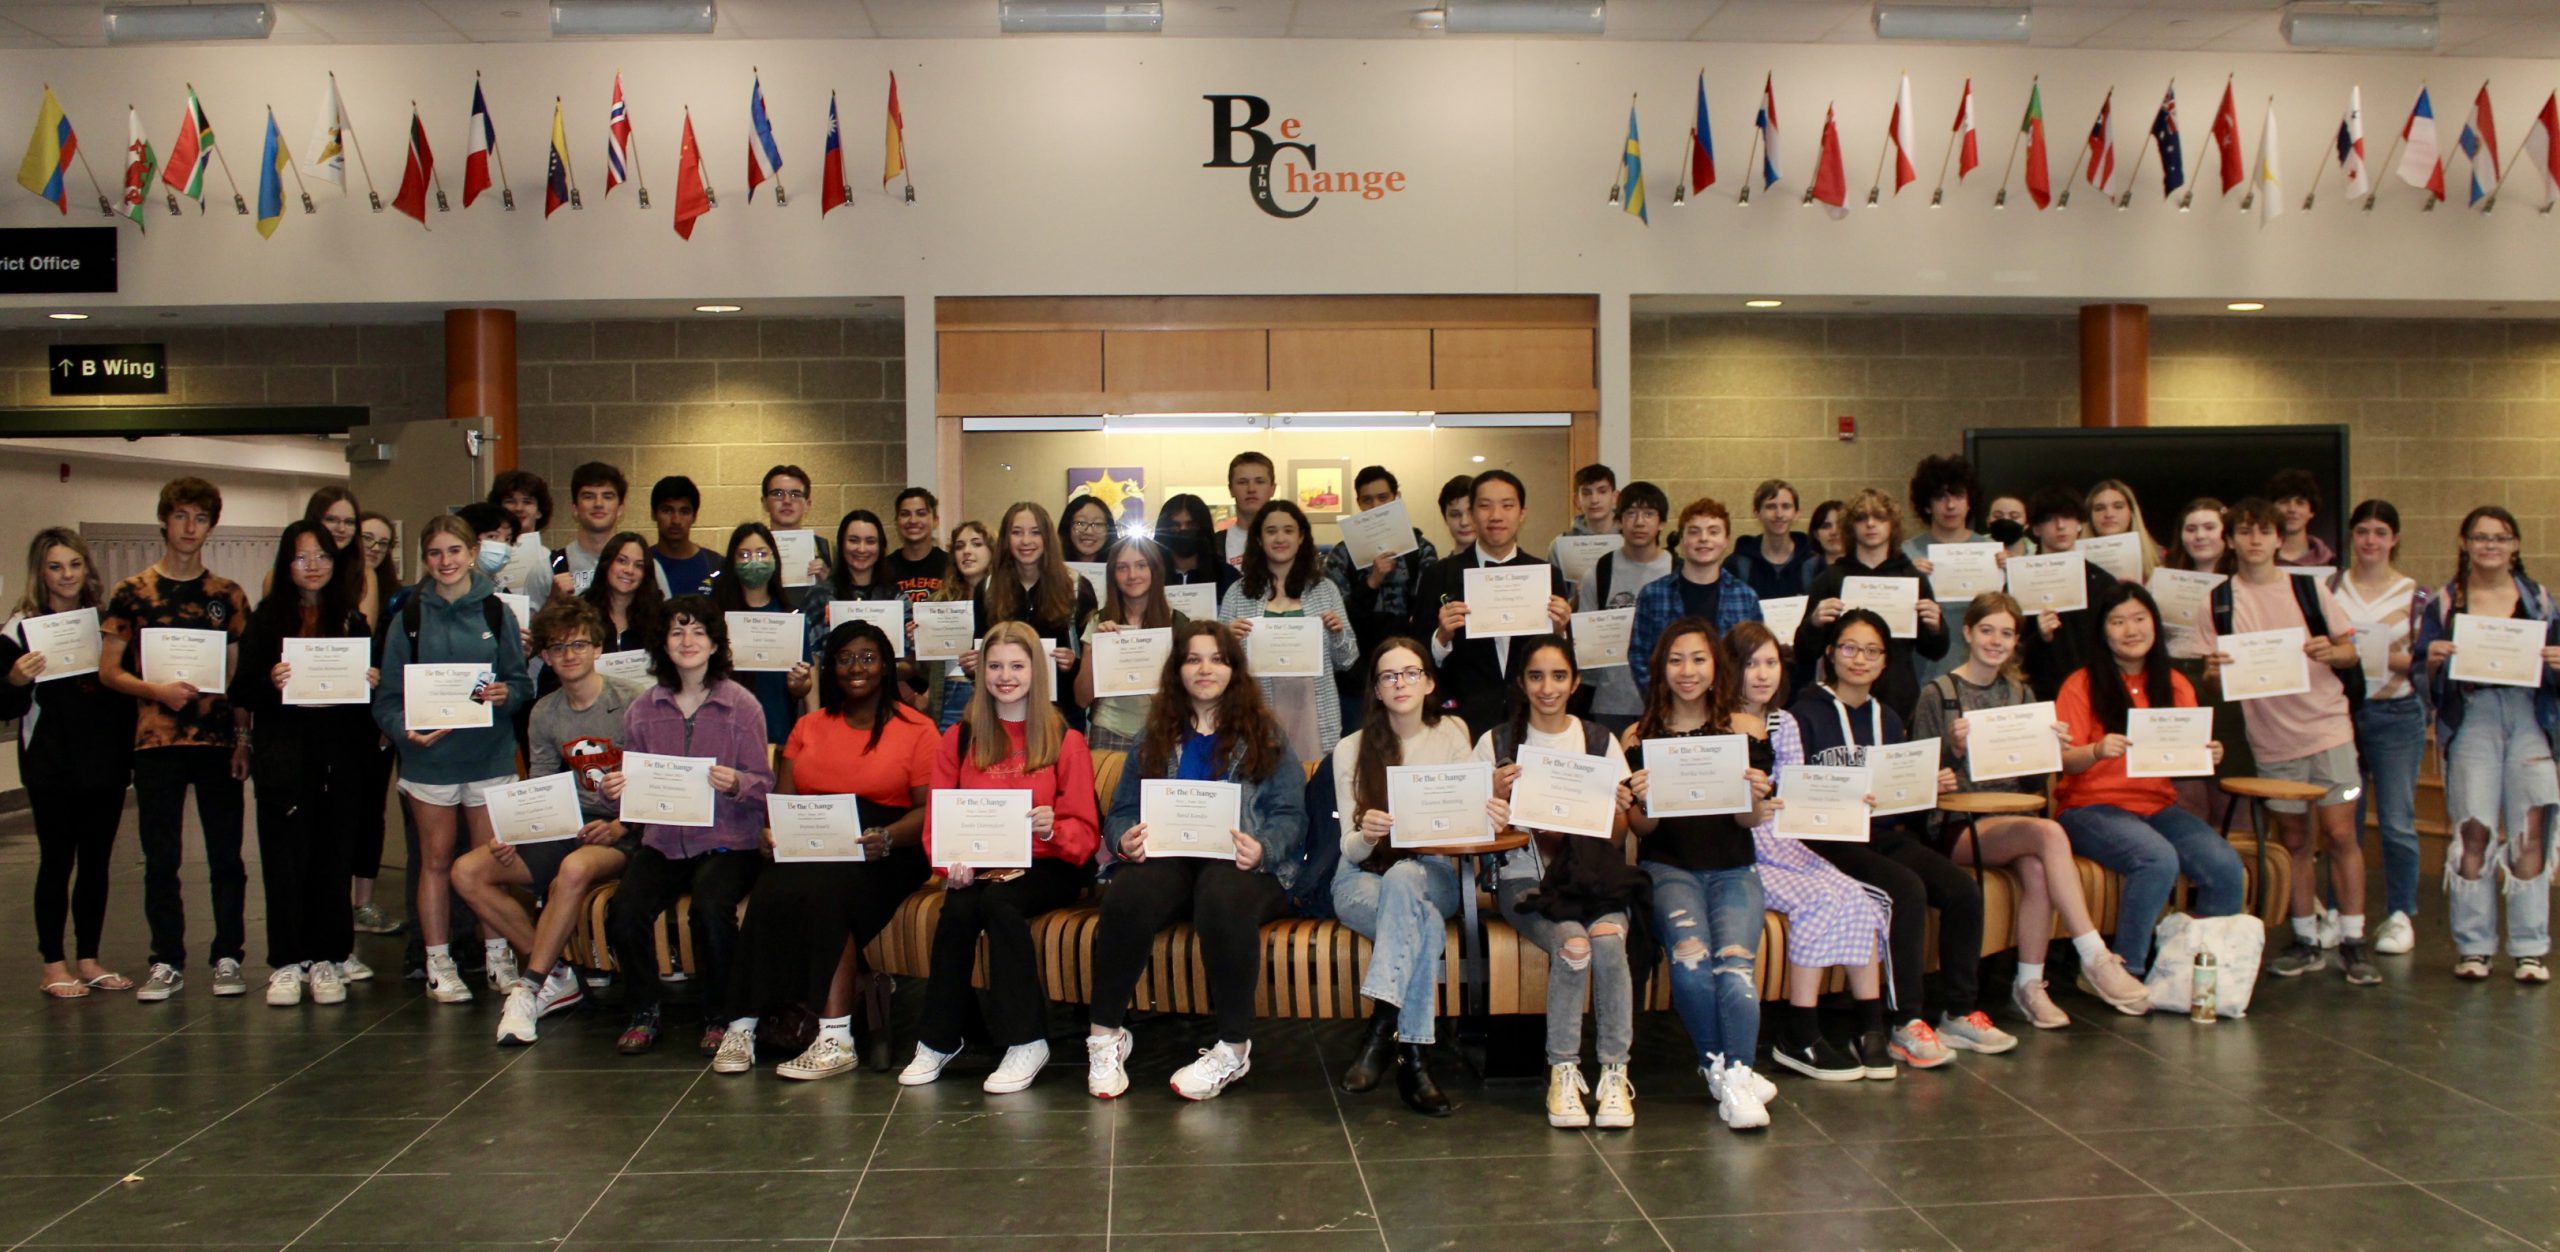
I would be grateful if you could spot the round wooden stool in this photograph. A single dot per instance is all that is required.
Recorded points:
(2261, 790)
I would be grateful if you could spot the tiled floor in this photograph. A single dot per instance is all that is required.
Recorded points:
(2422, 1115)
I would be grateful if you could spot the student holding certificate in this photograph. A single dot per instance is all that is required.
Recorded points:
(1031, 584)
(854, 572)
(1136, 602)
(450, 618)
(1698, 586)
(1780, 561)
(1943, 489)
(1617, 694)
(1283, 577)
(747, 583)
(1569, 894)
(625, 593)
(1084, 530)
(2060, 643)
(2308, 737)
(1473, 671)
(309, 766)
(1380, 593)
(1707, 903)
(1010, 740)
(2036, 849)
(2113, 511)
(2203, 547)
(2391, 726)
(784, 496)
(804, 936)
(693, 710)
(2134, 826)
(1400, 900)
(947, 683)
(1873, 524)
(2499, 787)
(75, 754)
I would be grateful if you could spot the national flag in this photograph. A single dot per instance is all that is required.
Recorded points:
(1702, 144)
(1969, 145)
(192, 151)
(617, 140)
(2164, 135)
(1830, 179)
(555, 180)
(2351, 144)
(1900, 127)
(481, 146)
(418, 173)
(2270, 186)
(2226, 141)
(893, 161)
(2039, 174)
(764, 156)
(693, 195)
(2420, 164)
(140, 163)
(831, 167)
(49, 153)
(2479, 142)
(2542, 147)
(2102, 144)
(328, 148)
(1768, 124)
(271, 168)
(1631, 171)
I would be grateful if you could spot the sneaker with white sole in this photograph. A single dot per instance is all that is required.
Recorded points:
(327, 985)
(1217, 1069)
(2034, 1002)
(1974, 1032)
(284, 987)
(501, 966)
(1020, 1065)
(516, 1023)
(1614, 1100)
(737, 1054)
(1740, 1107)
(444, 981)
(2108, 979)
(2530, 969)
(1565, 1085)
(1719, 1071)
(227, 980)
(370, 920)
(2469, 968)
(1106, 1064)
(2396, 936)
(165, 981)
(1916, 1044)
(2297, 959)
(925, 1068)
(826, 1057)
(353, 970)
(562, 989)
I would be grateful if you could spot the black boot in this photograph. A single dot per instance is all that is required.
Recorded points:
(1413, 1082)
(1371, 1062)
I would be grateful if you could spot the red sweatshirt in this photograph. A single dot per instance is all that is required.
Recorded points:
(1066, 787)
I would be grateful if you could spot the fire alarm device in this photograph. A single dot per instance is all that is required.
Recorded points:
(1848, 427)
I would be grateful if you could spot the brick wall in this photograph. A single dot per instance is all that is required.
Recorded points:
(397, 369)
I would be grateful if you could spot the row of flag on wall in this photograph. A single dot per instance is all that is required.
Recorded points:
(2419, 162)
(193, 155)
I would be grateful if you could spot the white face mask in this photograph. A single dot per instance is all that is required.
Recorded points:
(493, 555)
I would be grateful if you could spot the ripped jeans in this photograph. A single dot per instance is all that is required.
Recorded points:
(2498, 770)
(1604, 980)
(1709, 922)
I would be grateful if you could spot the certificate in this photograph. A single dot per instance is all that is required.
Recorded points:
(1386, 530)
(889, 615)
(982, 828)
(1284, 647)
(2168, 743)
(1196, 601)
(1577, 554)
(1896, 600)
(815, 828)
(630, 665)
(2503, 651)
(1904, 776)
(2055, 581)
(1190, 818)
(1601, 637)
(2120, 555)
(537, 810)
(1564, 792)
(2266, 663)
(1097, 575)
(944, 628)
(793, 550)
(2014, 742)
(767, 643)
(1961, 571)
(666, 790)
(1439, 804)
(2373, 655)
(328, 671)
(1508, 600)
(1823, 802)
(1696, 776)
(2184, 597)
(521, 606)
(173, 655)
(1129, 662)
(69, 642)
(1783, 614)
(438, 697)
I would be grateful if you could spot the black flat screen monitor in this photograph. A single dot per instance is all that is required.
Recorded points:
(2166, 467)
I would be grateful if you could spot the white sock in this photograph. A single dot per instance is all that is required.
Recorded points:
(2307, 929)
(2089, 946)
(2350, 927)
(747, 1024)
(435, 950)
(494, 947)
(839, 1029)
(2030, 973)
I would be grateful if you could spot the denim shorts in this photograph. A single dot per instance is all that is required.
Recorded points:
(2334, 768)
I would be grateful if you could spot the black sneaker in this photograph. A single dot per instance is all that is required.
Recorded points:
(2358, 967)
(1823, 1061)
(2299, 958)
(1875, 1055)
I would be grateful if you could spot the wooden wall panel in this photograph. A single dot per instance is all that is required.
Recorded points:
(995, 362)
(1512, 359)
(1335, 360)
(1185, 360)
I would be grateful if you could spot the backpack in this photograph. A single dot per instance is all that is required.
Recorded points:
(2306, 596)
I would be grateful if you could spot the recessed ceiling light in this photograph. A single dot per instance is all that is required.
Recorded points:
(2244, 306)
(1762, 304)
(68, 317)
(1476, 460)
(715, 308)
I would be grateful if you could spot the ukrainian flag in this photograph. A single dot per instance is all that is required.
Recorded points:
(1634, 162)
(271, 180)
(49, 153)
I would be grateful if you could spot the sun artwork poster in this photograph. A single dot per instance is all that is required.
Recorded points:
(1122, 489)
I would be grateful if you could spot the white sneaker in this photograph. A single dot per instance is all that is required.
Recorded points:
(1741, 1107)
(2328, 929)
(516, 1024)
(227, 980)
(327, 987)
(826, 1057)
(501, 962)
(1719, 1072)
(1217, 1069)
(1564, 1097)
(1021, 1064)
(737, 1054)
(925, 1068)
(444, 981)
(353, 970)
(1106, 1060)
(559, 991)
(2396, 935)
(284, 987)
(1614, 1101)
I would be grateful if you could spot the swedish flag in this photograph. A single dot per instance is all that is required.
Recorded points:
(1634, 171)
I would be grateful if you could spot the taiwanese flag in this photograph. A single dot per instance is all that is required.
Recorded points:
(831, 196)
(418, 173)
(693, 195)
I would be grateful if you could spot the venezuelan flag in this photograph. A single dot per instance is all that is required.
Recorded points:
(271, 180)
(49, 153)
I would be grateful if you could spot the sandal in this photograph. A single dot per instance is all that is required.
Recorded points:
(110, 981)
(67, 989)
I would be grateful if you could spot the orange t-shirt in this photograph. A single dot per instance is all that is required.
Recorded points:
(2105, 782)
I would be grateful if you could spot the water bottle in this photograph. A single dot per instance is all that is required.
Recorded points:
(2202, 1004)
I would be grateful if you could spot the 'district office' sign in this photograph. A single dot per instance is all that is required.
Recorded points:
(109, 369)
(51, 260)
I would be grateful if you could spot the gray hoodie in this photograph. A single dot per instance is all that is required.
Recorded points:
(452, 632)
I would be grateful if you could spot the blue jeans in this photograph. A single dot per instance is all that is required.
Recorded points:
(1404, 912)
(2497, 772)
(2391, 736)
(1714, 984)
(2150, 852)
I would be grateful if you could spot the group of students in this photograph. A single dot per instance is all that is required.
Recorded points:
(1406, 684)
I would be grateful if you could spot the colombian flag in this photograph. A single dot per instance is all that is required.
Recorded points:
(49, 153)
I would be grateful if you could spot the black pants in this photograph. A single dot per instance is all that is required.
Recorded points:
(161, 777)
(302, 861)
(1016, 1007)
(803, 913)
(1919, 879)
(650, 886)
(373, 791)
(75, 826)
(1226, 906)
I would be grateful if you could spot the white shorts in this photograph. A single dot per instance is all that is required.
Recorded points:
(449, 795)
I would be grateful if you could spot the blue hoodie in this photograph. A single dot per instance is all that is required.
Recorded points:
(452, 632)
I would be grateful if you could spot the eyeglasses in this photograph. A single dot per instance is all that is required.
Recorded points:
(311, 562)
(1859, 652)
(1399, 677)
(2489, 541)
(375, 545)
(568, 647)
(857, 660)
(1087, 523)
(786, 493)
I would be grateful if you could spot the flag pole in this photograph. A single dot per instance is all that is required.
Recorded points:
(2064, 201)
(2489, 205)
(372, 196)
(638, 179)
(2016, 138)
(300, 187)
(2382, 171)
(506, 194)
(781, 200)
(710, 198)
(568, 166)
(1680, 190)
(1883, 150)
(238, 204)
(442, 205)
(2319, 171)
(1938, 195)
(2125, 201)
(1750, 157)
(1617, 184)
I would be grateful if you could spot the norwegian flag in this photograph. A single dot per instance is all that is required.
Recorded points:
(1969, 145)
(2479, 142)
(617, 140)
(2102, 145)
(480, 148)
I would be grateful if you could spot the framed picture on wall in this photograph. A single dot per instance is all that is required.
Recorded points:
(1121, 488)
(1321, 488)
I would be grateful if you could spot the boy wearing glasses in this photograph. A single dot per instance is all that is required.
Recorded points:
(786, 507)
(576, 729)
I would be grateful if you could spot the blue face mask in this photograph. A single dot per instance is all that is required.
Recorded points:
(493, 555)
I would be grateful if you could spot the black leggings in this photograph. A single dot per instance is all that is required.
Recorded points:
(1002, 911)
(74, 826)
(1918, 878)
(302, 860)
(650, 886)
(1226, 906)
(802, 913)
(372, 777)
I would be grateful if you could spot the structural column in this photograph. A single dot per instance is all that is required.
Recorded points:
(2115, 365)
(480, 375)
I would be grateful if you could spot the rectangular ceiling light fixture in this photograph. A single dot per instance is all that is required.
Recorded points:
(188, 23)
(1080, 17)
(612, 18)
(1060, 422)
(1947, 23)
(1527, 17)
(2362, 26)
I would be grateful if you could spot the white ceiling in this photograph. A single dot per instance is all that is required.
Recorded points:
(2471, 27)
